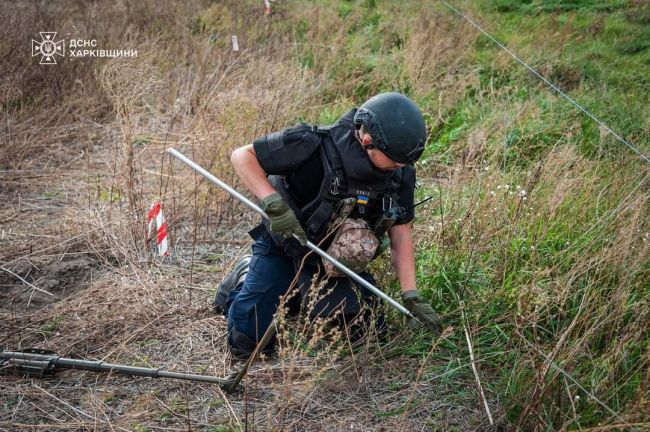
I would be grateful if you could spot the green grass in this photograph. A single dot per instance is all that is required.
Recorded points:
(565, 270)
(52, 326)
(516, 274)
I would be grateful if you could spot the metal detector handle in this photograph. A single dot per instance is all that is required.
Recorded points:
(309, 244)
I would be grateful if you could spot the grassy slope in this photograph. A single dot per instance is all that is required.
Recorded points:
(541, 224)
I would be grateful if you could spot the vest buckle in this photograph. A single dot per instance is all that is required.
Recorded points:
(336, 182)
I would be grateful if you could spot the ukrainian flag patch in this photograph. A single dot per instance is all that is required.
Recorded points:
(362, 199)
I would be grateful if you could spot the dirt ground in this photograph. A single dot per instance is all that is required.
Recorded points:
(72, 282)
(82, 158)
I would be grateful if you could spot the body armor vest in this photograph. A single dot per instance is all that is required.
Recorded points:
(346, 190)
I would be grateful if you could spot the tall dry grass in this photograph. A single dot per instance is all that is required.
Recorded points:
(546, 244)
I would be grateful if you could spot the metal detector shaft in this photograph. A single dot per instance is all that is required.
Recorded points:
(39, 364)
(309, 244)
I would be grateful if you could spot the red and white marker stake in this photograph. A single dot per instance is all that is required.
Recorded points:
(155, 213)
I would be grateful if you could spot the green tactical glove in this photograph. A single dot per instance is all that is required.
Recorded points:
(283, 221)
(422, 310)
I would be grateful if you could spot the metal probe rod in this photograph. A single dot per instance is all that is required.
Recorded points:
(310, 245)
(37, 361)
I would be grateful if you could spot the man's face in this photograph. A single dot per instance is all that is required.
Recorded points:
(383, 162)
(377, 157)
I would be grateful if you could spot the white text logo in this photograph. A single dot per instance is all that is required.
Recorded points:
(48, 48)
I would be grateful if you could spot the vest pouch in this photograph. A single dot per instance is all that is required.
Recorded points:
(354, 245)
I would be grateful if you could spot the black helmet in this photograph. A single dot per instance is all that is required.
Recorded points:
(395, 124)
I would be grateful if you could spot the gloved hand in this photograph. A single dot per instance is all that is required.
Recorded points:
(283, 221)
(422, 310)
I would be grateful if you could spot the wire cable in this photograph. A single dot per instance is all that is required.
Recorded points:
(553, 86)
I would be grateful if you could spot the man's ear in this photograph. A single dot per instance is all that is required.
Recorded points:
(364, 136)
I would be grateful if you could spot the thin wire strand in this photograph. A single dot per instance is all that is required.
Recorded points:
(567, 375)
(553, 86)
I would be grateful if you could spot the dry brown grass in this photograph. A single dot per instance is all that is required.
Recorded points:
(77, 187)
(82, 158)
(434, 57)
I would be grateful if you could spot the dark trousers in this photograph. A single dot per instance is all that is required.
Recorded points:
(251, 305)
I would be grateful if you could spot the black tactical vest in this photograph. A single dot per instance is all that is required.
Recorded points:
(347, 180)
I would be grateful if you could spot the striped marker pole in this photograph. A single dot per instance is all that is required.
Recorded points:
(156, 214)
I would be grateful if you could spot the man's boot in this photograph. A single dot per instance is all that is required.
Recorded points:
(235, 277)
(241, 346)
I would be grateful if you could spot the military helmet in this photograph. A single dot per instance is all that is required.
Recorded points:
(396, 125)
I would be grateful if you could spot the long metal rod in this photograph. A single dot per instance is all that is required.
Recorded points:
(310, 245)
(39, 360)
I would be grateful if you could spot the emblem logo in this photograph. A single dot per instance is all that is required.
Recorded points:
(47, 48)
